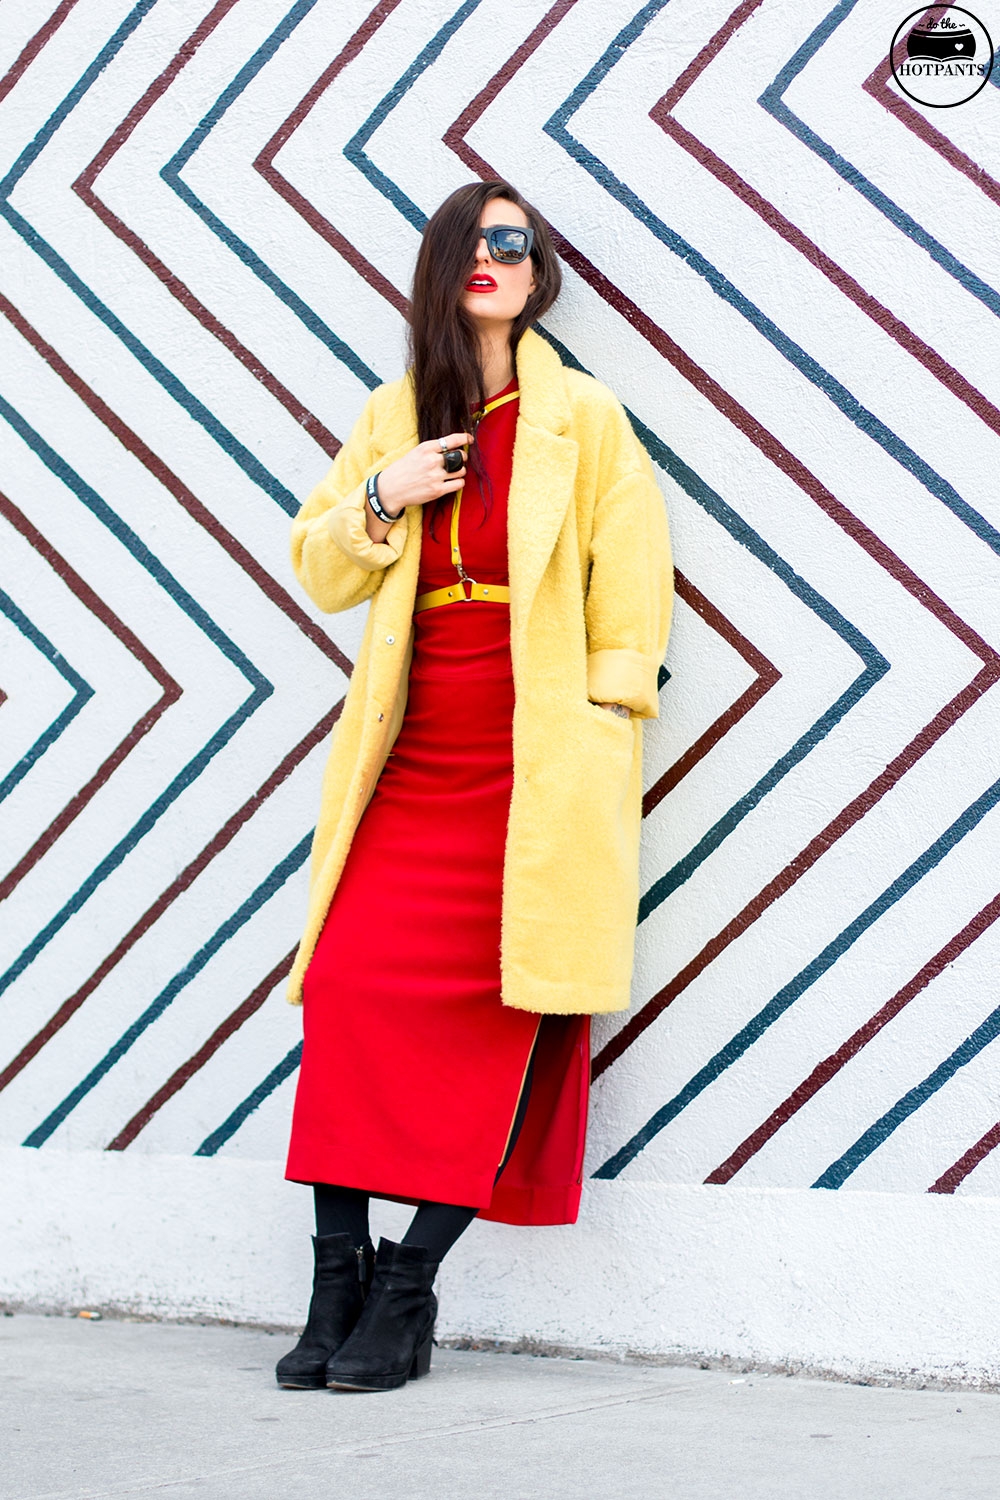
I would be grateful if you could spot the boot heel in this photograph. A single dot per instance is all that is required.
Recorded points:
(422, 1359)
(391, 1342)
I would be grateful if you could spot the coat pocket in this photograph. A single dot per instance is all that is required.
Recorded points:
(608, 770)
(624, 728)
(600, 807)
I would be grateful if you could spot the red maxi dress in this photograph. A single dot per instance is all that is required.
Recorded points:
(412, 1067)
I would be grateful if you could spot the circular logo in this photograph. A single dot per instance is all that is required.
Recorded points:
(941, 55)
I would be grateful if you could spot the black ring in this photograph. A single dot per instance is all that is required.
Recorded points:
(453, 460)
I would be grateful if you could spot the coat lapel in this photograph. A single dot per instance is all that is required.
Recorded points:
(544, 471)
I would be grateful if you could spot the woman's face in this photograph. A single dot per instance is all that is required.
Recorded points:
(495, 293)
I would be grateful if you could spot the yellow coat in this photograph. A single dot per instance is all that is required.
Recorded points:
(591, 593)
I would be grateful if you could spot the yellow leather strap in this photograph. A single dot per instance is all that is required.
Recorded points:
(477, 416)
(456, 593)
(466, 590)
(456, 551)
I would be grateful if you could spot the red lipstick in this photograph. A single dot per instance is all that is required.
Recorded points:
(480, 282)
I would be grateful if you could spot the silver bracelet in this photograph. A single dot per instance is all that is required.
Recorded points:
(371, 490)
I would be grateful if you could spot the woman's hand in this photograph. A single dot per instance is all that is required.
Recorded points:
(416, 479)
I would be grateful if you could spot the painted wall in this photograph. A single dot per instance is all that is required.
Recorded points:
(790, 275)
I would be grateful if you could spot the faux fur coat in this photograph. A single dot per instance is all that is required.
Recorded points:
(591, 594)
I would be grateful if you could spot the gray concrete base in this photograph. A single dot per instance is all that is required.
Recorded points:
(122, 1409)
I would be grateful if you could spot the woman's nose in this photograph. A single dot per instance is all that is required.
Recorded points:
(482, 250)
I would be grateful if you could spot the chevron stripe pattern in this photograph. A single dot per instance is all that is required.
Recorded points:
(786, 269)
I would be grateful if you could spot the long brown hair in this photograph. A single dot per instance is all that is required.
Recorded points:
(443, 343)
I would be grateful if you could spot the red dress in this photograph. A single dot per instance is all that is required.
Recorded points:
(412, 1067)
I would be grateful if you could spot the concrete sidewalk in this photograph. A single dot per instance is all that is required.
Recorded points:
(126, 1409)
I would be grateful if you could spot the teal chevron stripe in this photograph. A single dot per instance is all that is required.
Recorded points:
(261, 688)
(772, 99)
(239, 1116)
(787, 996)
(815, 373)
(82, 693)
(174, 387)
(171, 174)
(263, 893)
(875, 665)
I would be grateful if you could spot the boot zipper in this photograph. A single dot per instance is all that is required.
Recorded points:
(362, 1267)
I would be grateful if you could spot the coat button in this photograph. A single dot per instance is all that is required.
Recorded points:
(390, 640)
(381, 717)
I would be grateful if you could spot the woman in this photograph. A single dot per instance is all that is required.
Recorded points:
(475, 864)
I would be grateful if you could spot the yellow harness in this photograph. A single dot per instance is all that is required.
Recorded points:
(466, 590)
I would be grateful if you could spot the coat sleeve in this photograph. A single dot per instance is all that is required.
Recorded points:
(334, 558)
(631, 585)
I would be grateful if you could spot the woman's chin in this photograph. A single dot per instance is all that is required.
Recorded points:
(485, 317)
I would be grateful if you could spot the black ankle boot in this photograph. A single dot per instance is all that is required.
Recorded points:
(392, 1340)
(342, 1276)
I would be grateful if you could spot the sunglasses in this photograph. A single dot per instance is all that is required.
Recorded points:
(508, 243)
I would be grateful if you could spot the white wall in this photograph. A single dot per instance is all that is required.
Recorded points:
(789, 275)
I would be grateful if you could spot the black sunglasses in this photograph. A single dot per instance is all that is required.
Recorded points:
(507, 243)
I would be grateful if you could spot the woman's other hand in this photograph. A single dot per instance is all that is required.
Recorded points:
(416, 479)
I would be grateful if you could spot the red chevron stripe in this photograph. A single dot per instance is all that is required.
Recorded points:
(877, 85)
(32, 48)
(185, 497)
(186, 878)
(897, 330)
(797, 867)
(264, 163)
(169, 689)
(767, 676)
(205, 1053)
(790, 465)
(454, 136)
(831, 1066)
(767, 673)
(272, 591)
(956, 1175)
(84, 188)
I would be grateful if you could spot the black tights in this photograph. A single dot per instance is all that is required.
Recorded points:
(435, 1226)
